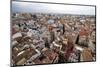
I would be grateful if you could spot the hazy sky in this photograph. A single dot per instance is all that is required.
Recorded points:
(52, 8)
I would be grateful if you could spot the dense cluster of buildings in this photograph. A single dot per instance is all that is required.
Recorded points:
(52, 38)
